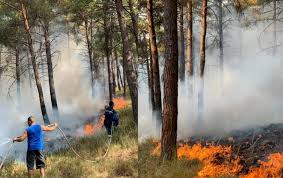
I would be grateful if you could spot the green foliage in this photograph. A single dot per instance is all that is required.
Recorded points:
(10, 27)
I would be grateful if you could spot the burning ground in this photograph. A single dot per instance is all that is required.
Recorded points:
(121, 160)
(250, 153)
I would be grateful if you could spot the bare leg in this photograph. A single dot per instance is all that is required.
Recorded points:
(30, 172)
(42, 172)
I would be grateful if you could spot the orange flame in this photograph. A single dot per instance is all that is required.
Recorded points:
(207, 155)
(120, 103)
(88, 129)
(217, 161)
(272, 168)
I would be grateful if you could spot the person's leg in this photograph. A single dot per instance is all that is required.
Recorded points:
(42, 172)
(40, 162)
(30, 172)
(30, 158)
(108, 130)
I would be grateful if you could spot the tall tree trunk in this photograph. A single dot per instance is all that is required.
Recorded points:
(153, 105)
(113, 77)
(112, 64)
(220, 34)
(107, 51)
(41, 64)
(135, 26)
(190, 38)
(124, 78)
(90, 53)
(18, 73)
(202, 37)
(50, 72)
(33, 60)
(1, 68)
(129, 69)
(274, 29)
(119, 78)
(149, 71)
(182, 42)
(202, 59)
(155, 62)
(149, 80)
(170, 102)
(29, 73)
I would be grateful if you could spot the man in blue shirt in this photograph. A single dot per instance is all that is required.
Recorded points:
(34, 133)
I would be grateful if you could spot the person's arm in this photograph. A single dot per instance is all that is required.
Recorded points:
(49, 128)
(21, 138)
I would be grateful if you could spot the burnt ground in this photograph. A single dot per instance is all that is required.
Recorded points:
(250, 145)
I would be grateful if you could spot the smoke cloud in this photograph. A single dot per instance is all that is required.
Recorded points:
(72, 84)
(251, 94)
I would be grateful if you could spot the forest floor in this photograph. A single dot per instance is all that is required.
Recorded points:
(121, 160)
(248, 153)
(151, 166)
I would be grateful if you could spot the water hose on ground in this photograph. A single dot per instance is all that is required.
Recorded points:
(77, 154)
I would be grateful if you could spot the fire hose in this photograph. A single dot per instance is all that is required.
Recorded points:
(78, 155)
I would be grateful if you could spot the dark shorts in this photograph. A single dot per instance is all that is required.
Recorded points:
(36, 157)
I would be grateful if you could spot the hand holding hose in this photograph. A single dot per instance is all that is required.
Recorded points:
(15, 139)
(53, 125)
(49, 128)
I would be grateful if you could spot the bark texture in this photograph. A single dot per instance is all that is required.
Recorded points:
(182, 41)
(170, 111)
(189, 51)
(202, 37)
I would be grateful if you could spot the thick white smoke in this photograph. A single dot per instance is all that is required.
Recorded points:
(252, 87)
(73, 91)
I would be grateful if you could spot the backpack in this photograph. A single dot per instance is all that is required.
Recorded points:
(111, 116)
(108, 118)
(115, 118)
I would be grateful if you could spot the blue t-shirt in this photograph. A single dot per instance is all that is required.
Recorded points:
(35, 138)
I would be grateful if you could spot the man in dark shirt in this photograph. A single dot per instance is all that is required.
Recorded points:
(34, 133)
(111, 118)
